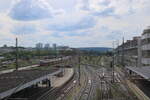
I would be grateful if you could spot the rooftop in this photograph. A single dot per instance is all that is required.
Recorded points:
(147, 30)
(24, 78)
(142, 71)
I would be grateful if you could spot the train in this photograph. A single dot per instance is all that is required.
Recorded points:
(48, 62)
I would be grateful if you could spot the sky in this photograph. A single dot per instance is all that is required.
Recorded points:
(75, 23)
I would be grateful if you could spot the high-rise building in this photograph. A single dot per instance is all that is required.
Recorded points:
(54, 46)
(39, 45)
(55, 49)
(47, 46)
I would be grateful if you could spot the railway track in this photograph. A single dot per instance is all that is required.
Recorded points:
(93, 79)
(77, 97)
(105, 87)
(87, 89)
(107, 93)
(60, 92)
(67, 90)
(95, 82)
(102, 79)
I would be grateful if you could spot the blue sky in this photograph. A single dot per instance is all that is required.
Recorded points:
(76, 23)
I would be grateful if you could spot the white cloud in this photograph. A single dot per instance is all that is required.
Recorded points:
(113, 18)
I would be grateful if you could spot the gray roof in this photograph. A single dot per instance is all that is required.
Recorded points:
(142, 71)
(9, 82)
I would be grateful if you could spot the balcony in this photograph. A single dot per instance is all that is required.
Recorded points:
(145, 36)
(146, 47)
(145, 60)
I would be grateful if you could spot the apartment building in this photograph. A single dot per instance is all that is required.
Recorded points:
(146, 47)
(135, 52)
(129, 53)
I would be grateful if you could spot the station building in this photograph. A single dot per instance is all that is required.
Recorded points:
(146, 47)
(134, 55)
(129, 53)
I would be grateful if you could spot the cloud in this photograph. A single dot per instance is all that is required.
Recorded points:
(69, 34)
(27, 10)
(77, 34)
(5, 5)
(63, 4)
(105, 12)
(105, 2)
(114, 35)
(24, 29)
(68, 21)
(113, 8)
(84, 23)
(57, 35)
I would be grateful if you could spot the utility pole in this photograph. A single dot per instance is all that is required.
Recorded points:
(113, 62)
(123, 53)
(117, 52)
(17, 54)
(79, 68)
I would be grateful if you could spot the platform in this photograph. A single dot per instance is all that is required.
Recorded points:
(59, 81)
(18, 80)
(142, 71)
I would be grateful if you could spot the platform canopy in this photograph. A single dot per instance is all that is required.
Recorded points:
(15, 81)
(142, 71)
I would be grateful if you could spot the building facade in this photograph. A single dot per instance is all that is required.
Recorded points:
(39, 45)
(146, 47)
(129, 53)
(54, 46)
(47, 46)
(135, 52)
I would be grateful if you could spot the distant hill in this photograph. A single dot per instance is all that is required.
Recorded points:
(99, 49)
